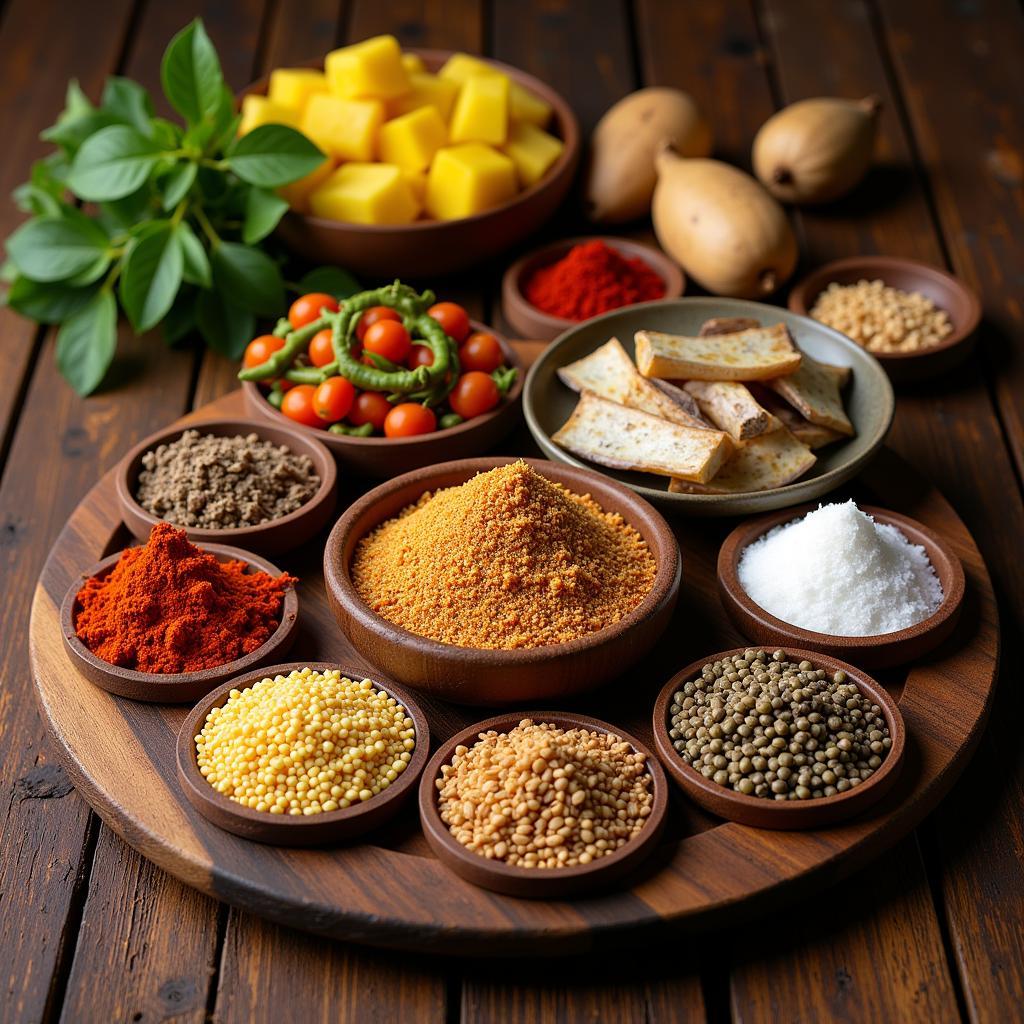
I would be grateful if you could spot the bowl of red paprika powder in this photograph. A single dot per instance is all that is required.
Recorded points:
(562, 284)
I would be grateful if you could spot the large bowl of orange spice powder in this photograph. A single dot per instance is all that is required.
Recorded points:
(494, 581)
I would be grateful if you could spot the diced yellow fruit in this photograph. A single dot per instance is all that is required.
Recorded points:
(461, 67)
(292, 87)
(370, 69)
(412, 139)
(412, 62)
(346, 129)
(258, 111)
(524, 105)
(481, 111)
(417, 182)
(427, 91)
(366, 194)
(468, 179)
(532, 150)
(296, 193)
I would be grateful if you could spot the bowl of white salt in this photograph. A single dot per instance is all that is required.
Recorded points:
(857, 582)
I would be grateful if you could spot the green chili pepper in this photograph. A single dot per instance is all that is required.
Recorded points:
(363, 430)
(294, 343)
(276, 395)
(504, 377)
(450, 419)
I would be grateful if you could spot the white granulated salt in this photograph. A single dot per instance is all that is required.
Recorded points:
(838, 571)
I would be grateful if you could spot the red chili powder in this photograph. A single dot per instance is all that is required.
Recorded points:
(169, 607)
(592, 278)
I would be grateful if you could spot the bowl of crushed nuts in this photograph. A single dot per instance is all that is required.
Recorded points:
(918, 320)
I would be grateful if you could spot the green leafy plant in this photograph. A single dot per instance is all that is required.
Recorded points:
(175, 216)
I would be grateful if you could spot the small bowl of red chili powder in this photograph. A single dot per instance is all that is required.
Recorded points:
(562, 284)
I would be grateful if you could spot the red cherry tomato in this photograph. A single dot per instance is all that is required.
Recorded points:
(481, 351)
(453, 318)
(374, 315)
(369, 407)
(410, 419)
(306, 308)
(321, 348)
(420, 355)
(474, 394)
(297, 405)
(260, 349)
(388, 339)
(333, 399)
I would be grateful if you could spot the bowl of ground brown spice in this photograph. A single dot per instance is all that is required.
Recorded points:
(497, 580)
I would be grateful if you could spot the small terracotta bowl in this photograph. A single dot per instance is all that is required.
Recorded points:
(538, 883)
(388, 456)
(177, 687)
(879, 651)
(287, 830)
(945, 290)
(761, 812)
(273, 538)
(469, 675)
(530, 322)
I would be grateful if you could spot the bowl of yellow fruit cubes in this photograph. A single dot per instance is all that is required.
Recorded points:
(434, 160)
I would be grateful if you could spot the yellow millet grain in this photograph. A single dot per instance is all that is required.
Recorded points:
(507, 560)
(880, 318)
(539, 796)
(305, 743)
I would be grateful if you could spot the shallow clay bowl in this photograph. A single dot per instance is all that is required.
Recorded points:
(287, 830)
(388, 456)
(530, 322)
(880, 651)
(177, 687)
(273, 538)
(868, 398)
(778, 814)
(429, 248)
(469, 675)
(538, 883)
(945, 290)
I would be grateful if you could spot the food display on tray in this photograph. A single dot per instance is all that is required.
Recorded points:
(737, 408)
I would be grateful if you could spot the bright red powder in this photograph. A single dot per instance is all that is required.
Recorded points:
(592, 278)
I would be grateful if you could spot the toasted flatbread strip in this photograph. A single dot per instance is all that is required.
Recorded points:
(613, 435)
(811, 434)
(727, 325)
(755, 354)
(609, 373)
(814, 392)
(842, 374)
(731, 407)
(771, 460)
(684, 399)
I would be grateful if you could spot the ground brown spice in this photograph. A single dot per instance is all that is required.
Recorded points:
(507, 560)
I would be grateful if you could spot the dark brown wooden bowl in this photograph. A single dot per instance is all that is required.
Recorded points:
(538, 883)
(777, 814)
(389, 456)
(879, 651)
(287, 830)
(945, 290)
(531, 322)
(469, 675)
(430, 248)
(273, 538)
(176, 687)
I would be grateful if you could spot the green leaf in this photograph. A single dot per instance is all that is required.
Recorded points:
(249, 277)
(263, 210)
(332, 280)
(71, 133)
(181, 317)
(273, 155)
(86, 342)
(113, 163)
(76, 102)
(196, 268)
(177, 183)
(166, 134)
(191, 73)
(56, 248)
(129, 103)
(118, 215)
(47, 303)
(151, 276)
(226, 327)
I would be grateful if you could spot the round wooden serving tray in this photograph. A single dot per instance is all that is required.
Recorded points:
(388, 889)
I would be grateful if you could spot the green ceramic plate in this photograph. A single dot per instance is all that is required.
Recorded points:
(869, 400)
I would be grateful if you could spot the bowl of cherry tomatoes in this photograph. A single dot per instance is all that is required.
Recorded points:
(389, 380)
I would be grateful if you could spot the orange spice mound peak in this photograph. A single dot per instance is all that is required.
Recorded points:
(507, 560)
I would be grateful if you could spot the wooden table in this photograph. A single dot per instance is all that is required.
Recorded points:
(934, 930)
